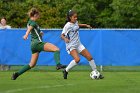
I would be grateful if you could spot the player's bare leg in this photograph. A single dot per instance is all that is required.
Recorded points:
(52, 48)
(88, 56)
(73, 63)
(26, 67)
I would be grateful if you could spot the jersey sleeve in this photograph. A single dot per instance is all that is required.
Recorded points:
(66, 30)
(33, 24)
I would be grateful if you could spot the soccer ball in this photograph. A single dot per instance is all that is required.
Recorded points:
(94, 75)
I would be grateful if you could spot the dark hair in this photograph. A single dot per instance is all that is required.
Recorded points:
(70, 14)
(3, 18)
(32, 12)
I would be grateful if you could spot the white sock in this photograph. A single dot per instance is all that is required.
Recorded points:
(71, 65)
(93, 65)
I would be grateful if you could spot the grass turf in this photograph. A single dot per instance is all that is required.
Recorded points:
(77, 82)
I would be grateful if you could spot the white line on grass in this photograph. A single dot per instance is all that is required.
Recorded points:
(40, 87)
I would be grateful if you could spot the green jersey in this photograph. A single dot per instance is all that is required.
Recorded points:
(36, 39)
(35, 32)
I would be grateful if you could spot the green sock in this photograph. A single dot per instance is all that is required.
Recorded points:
(57, 57)
(24, 69)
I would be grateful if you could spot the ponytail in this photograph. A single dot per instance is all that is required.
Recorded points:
(69, 14)
(32, 12)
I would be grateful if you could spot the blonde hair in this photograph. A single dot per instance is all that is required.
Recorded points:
(32, 12)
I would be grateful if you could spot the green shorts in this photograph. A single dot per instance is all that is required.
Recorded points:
(37, 47)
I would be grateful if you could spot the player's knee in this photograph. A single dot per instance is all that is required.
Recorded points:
(77, 60)
(57, 49)
(32, 65)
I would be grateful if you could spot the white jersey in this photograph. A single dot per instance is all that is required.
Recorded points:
(71, 31)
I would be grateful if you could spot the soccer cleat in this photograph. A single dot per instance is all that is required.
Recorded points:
(60, 66)
(65, 73)
(101, 76)
(14, 76)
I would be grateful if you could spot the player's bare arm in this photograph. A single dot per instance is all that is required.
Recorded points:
(84, 25)
(41, 33)
(27, 32)
(64, 38)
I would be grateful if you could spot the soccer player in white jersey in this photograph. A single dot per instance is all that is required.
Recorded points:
(70, 35)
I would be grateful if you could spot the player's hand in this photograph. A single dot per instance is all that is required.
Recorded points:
(25, 37)
(67, 40)
(41, 33)
(88, 26)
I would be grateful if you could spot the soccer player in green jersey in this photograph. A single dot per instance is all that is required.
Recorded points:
(37, 45)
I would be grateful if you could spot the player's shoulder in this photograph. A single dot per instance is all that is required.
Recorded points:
(71, 24)
(68, 25)
(31, 22)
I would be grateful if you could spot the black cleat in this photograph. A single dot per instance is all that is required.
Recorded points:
(65, 73)
(14, 76)
(101, 76)
(60, 66)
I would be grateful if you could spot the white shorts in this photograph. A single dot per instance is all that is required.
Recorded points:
(79, 48)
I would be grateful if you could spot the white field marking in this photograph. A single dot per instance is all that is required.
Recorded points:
(40, 87)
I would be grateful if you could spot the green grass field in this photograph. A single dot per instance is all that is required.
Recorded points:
(77, 82)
